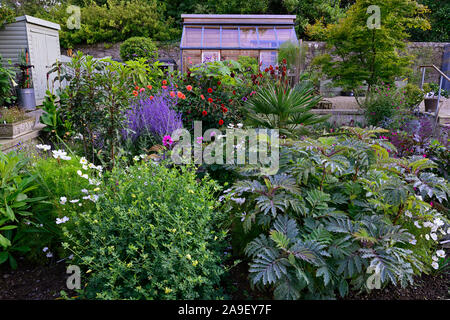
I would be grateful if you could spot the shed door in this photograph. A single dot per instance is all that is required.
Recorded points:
(44, 48)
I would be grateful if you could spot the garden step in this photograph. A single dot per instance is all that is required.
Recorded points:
(25, 141)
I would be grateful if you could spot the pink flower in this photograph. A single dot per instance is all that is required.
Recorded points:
(199, 140)
(167, 141)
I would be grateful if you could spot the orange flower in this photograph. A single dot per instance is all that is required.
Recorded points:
(136, 88)
(189, 88)
(183, 97)
(202, 96)
(149, 87)
(179, 94)
(172, 94)
(164, 82)
(151, 97)
(135, 93)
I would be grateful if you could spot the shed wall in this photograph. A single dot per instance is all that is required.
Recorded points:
(13, 39)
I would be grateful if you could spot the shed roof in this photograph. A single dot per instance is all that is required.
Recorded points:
(274, 19)
(39, 22)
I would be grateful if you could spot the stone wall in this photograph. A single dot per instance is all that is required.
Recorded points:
(425, 52)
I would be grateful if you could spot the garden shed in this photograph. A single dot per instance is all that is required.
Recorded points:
(211, 37)
(40, 38)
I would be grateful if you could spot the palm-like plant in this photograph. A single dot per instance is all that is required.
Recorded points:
(284, 108)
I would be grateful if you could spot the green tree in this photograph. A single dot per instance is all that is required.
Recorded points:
(438, 17)
(363, 54)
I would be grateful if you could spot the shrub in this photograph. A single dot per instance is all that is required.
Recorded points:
(7, 75)
(12, 115)
(339, 213)
(17, 220)
(153, 235)
(138, 47)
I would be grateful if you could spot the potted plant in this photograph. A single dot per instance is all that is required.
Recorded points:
(25, 91)
(14, 122)
(431, 96)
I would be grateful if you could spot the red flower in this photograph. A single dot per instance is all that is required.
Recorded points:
(284, 61)
(202, 96)
(266, 70)
(234, 92)
(164, 82)
(136, 88)
(210, 90)
(151, 97)
(219, 83)
(225, 110)
(189, 88)
(172, 94)
(149, 87)
(204, 112)
(220, 122)
(210, 100)
(164, 87)
(135, 93)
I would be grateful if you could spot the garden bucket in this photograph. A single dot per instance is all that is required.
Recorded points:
(26, 98)
(431, 104)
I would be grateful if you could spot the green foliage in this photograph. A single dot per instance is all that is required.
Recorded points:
(364, 55)
(284, 108)
(52, 117)
(7, 75)
(138, 47)
(154, 235)
(96, 98)
(113, 21)
(413, 96)
(16, 216)
(7, 15)
(338, 210)
(438, 15)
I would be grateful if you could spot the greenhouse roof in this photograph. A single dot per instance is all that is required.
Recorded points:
(235, 31)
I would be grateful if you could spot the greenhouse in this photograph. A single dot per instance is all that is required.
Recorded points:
(222, 37)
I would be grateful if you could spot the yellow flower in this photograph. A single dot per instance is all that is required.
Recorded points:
(188, 256)
(89, 271)
(167, 290)
(194, 263)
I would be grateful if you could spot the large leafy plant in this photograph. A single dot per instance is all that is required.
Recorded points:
(339, 210)
(15, 206)
(279, 106)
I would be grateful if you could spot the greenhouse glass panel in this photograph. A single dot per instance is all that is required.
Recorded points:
(192, 37)
(230, 37)
(211, 37)
(286, 34)
(267, 38)
(249, 37)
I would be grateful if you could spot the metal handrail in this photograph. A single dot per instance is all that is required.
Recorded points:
(442, 75)
(437, 69)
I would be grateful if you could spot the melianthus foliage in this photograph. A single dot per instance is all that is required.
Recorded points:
(338, 210)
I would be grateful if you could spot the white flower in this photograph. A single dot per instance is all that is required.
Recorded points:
(413, 241)
(74, 201)
(85, 176)
(433, 236)
(136, 158)
(238, 200)
(44, 147)
(427, 224)
(83, 160)
(408, 214)
(143, 156)
(70, 257)
(60, 154)
(45, 249)
(63, 200)
(440, 253)
(240, 125)
(427, 236)
(438, 222)
(84, 191)
(63, 220)
(416, 223)
(85, 167)
(434, 258)
(230, 126)
(49, 255)
(91, 166)
(435, 265)
(99, 168)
